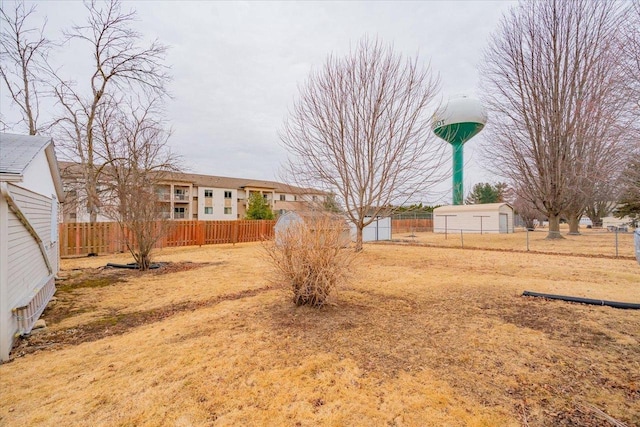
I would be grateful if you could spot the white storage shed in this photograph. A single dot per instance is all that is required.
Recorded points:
(29, 255)
(481, 218)
(287, 219)
(379, 229)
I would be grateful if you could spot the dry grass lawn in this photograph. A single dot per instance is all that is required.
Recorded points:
(591, 242)
(421, 336)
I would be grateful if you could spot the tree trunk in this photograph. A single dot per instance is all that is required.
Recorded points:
(574, 225)
(554, 227)
(359, 229)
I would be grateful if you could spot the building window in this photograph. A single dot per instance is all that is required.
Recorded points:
(314, 198)
(208, 210)
(295, 198)
(283, 197)
(180, 194)
(227, 194)
(264, 196)
(227, 211)
(179, 213)
(208, 193)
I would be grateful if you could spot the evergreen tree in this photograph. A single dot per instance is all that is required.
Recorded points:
(258, 207)
(485, 192)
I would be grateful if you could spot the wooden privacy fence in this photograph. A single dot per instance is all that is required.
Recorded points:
(107, 237)
(80, 238)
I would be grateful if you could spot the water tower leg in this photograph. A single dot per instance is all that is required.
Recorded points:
(458, 166)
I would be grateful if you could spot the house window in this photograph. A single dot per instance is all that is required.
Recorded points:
(208, 193)
(208, 210)
(295, 198)
(283, 197)
(179, 213)
(227, 211)
(314, 198)
(264, 196)
(227, 194)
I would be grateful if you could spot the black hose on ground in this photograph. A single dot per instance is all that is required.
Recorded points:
(614, 304)
(133, 266)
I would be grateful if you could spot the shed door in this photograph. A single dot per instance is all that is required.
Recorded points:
(504, 223)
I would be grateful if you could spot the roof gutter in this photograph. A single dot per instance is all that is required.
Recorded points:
(55, 171)
(4, 189)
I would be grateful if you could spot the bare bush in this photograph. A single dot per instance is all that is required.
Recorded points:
(311, 259)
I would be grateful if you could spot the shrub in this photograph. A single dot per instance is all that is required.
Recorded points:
(311, 258)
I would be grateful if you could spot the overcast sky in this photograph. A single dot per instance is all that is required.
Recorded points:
(237, 66)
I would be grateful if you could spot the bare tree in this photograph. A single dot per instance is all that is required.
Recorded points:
(602, 200)
(527, 211)
(23, 57)
(550, 79)
(138, 158)
(361, 130)
(630, 45)
(121, 65)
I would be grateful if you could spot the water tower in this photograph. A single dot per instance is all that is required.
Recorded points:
(457, 122)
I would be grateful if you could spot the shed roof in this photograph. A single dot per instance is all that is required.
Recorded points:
(18, 151)
(483, 207)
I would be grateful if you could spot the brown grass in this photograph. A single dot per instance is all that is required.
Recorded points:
(423, 336)
(591, 242)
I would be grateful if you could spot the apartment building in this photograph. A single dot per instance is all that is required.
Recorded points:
(185, 196)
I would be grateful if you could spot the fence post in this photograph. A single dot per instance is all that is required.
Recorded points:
(200, 232)
(461, 239)
(527, 239)
(234, 232)
(616, 241)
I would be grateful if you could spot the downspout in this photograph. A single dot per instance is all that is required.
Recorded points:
(4, 189)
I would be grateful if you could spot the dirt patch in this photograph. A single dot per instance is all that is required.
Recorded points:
(115, 324)
(70, 282)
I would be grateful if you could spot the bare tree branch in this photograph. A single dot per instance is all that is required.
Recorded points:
(23, 57)
(360, 129)
(551, 81)
(121, 67)
(135, 159)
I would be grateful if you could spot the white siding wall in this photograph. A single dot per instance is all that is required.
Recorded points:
(379, 229)
(471, 218)
(218, 203)
(505, 209)
(26, 270)
(37, 177)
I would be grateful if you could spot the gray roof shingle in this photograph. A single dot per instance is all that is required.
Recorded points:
(17, 151)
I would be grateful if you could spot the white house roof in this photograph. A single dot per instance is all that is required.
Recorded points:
(17, 151)
(483, 207)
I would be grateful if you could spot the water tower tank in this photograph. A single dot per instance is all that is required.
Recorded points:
(456, 122)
